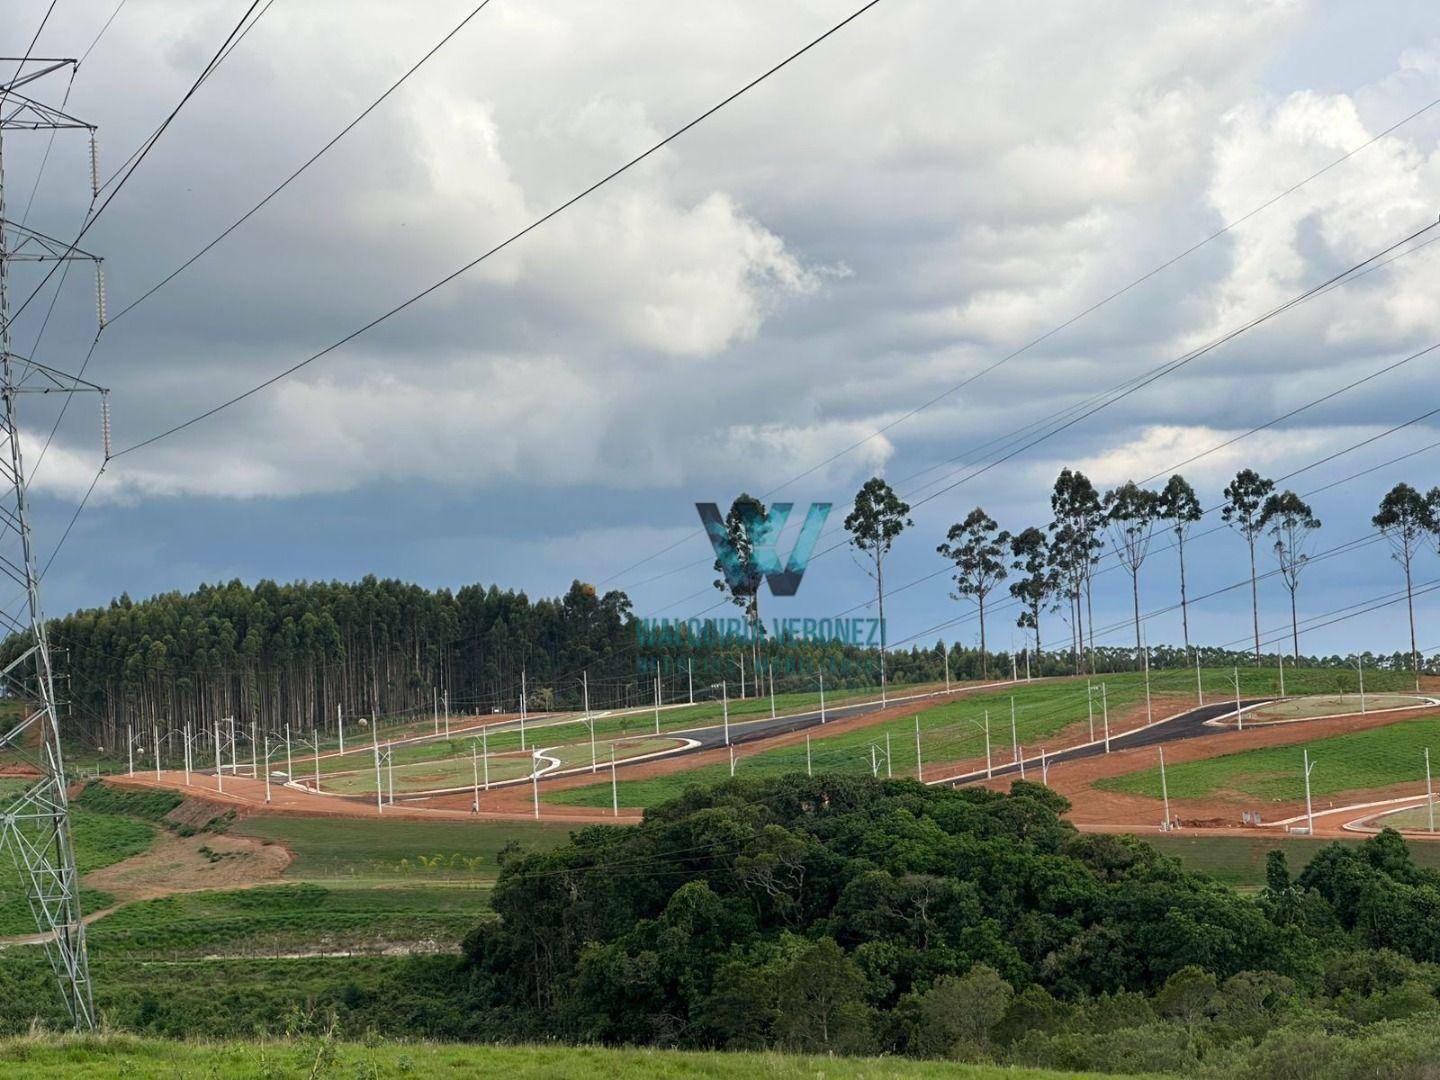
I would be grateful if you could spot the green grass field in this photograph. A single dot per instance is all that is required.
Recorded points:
(954, 731)
(1356, 762)
(1417, 818)
(303, 918)
(1239, 861)
(100, 840)
(1304, 708)
(331, 849)
(76, 1059)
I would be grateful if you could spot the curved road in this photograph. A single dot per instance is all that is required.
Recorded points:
(1186, 725)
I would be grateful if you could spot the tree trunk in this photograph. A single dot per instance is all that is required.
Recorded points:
(1184, 606)
(984, 658)
(1294, 626)
(880, 596)
(1410, 603)
(1135, 591)
(1090, 620)
(1254, 602)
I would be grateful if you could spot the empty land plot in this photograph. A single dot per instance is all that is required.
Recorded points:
(1357, 762)
(1416, 818)
(365, 849)
(1307, 708)
(465, 771)
(1055, 712)
(951, 731)
(609, 726)
(297, 919)
(1239, 861)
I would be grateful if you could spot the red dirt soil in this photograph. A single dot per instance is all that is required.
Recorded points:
(1106, 811)
(1092, 809)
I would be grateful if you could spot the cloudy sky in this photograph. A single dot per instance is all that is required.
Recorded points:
(925, 193)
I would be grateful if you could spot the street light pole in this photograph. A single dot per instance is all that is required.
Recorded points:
(725, 705)
(1014, 734)
(919, 765)
(379, 784)
(1239, 720)
(1164, 791)
(474, 778)
(1309, 812)
(989, 770)
(1105, 712)
(1429, 791)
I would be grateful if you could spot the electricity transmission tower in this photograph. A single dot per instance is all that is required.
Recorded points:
(36, 828)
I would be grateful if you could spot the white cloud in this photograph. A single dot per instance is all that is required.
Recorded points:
(1160, 449)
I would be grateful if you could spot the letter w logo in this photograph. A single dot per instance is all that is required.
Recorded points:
(763, 532)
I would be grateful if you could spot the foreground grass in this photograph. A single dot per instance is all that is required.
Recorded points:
(1359, 761)
(329, 849)
(140, 1058)
(955, 730)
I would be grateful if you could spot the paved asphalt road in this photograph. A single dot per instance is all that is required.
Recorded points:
(710, 737)
(1187, 725)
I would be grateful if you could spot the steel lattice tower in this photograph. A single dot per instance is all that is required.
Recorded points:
(36, 828)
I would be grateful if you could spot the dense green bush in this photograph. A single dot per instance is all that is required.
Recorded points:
(857, 915)
(151, 804)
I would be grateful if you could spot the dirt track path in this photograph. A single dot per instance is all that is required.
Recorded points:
(176, 864)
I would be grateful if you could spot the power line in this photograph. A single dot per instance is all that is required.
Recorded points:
(91, 48)
(504, 243)
(1061, 326)
(29, 49)
(224, 54)
(1071, 414)
(1130, 386)
(139, 156)
(1011, 605)
(295, 175)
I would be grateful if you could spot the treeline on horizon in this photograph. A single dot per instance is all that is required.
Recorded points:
(1051, 568)
(296, 653)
